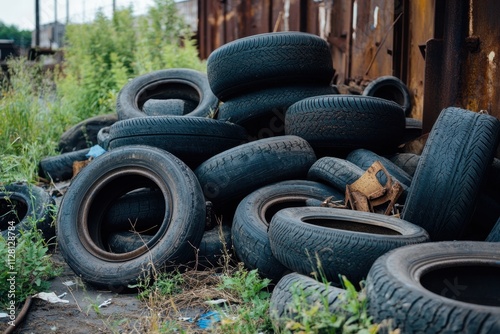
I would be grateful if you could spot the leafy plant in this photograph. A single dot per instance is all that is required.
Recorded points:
(33, 266)
(252, 314)
(350, 314)
(163, 284)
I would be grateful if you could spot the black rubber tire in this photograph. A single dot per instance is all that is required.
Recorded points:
(406, 161)
(365, 158)
(262, 113)
(335, 172)
(316, 293)
(231, 175)
(191, 139)
(83, 239)
(337, 124)
(60, 167)
(494, 235)
(84, 134)
(174, 83)
(103, 137)
(236, 68)
(413, 130)
(215, 245)
(255, 211)
(26, 206)
(141, 210)
(452, 166)
(438, 287)
(344, 242)
(172, 107)
(210, 251)
(390, 88)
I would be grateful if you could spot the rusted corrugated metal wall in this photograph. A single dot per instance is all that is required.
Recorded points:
(360, 32)
(446, 51)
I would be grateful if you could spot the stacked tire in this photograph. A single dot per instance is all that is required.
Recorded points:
(266, 142)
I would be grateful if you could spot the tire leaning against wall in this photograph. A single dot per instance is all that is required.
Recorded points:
(450, 171)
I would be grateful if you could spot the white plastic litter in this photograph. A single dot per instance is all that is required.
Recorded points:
(216, 301)
(105, 303)
(50, 297)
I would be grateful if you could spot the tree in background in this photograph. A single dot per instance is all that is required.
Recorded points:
(22, 38)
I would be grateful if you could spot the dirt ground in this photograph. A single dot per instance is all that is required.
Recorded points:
(81, 314)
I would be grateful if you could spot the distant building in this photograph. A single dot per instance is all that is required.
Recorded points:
(51, 36)
(189, 10)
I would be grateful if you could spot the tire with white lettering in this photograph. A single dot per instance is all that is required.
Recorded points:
(337, 241)
(237, 67)
(24, 206)
(438, 287)
(254, 213)
(338, 124)
(452, 167)
(172, 83)
(81, 232)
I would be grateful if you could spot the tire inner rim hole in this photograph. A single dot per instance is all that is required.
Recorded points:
(169, 90)
(271, 210)
(112, 193)
(390, 93)
(350, 226)
(475, 284)
(11, 210)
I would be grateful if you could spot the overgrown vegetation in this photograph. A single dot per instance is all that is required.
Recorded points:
(21, 38)
(37, 106)
(33, 267)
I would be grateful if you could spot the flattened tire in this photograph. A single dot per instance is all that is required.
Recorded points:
(344, 242)
(26, 206)
(80, 223)
(338, 124)
(453, 164)
(191, 139)
(231, 175)
(174, 83)
(254, 212)
(236, 68)
(390, 88)
(438, 287)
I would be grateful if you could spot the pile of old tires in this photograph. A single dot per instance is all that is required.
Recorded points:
(256, 145)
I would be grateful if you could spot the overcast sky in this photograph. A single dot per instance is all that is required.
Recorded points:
(21, 13)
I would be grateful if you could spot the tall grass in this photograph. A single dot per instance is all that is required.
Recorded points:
(37, 106)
